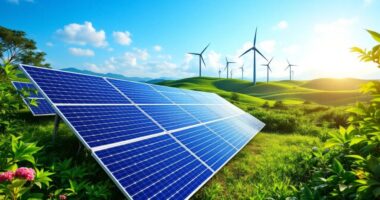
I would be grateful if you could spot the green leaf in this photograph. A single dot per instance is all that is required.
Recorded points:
(337, 167)
(357, 157)
(42, 177)
(375, 35)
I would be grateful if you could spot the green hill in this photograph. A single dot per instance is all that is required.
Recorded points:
(325, 91)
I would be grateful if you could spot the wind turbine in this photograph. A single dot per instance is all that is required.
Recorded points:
(254, 49)
(220, 71)
(227, 65)
(290, 69)
(201, 59)
(242, 72)
(268, 69)
(231, 73)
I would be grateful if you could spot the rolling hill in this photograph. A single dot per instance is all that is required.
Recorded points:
(332, 92)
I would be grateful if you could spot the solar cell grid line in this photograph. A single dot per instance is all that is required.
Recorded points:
(200, 112)
(43, 108)
(206, 145)
(179, 98)
(162, 88)
(169, 170)
(28, 86)
(230, 132)
(102, 125)
(68, 87)
(170, 117)
(139, 93)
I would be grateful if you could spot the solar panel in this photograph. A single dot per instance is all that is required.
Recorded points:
(154, 142)
(43, 108)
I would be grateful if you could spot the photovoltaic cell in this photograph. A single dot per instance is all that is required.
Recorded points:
(200, 112)
(230, 132)
(163, 144)
(66, 87)
(43, 108)
(170, 116)
(33, 93)
(179, 98)
(211, 148)
(101, 125)
(156, 168)
(139, 93)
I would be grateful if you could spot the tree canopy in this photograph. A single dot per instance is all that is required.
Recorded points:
(16, 47)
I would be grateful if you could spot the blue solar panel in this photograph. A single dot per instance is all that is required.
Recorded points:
(211, 148)
(43, 108)
(156, 168)
(165, 144)
(170, 116)
(200, 112)
(166, 89)
(179, 98)
(65, 87)
(139, 93)
(101, 125)
(231, 132)
(33, 93)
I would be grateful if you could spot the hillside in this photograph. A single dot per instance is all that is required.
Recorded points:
(331, 92)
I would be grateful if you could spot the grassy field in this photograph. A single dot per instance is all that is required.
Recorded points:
(331, 92)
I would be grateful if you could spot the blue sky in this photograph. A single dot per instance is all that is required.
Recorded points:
(151, 38)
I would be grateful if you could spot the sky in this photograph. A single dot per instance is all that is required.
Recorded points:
(152, 38)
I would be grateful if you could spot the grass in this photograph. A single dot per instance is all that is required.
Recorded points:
(262, 169)
(319, 91)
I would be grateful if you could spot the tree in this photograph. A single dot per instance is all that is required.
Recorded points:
(15, 47)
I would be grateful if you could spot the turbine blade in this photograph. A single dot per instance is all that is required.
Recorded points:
(205, 48)
(197, 54)
(264, 65)
(260, 53)
(288, 61)
(269, 69)
(286, 68)
(254, 40)
(246, 52)
(270, 60)
(203, 60)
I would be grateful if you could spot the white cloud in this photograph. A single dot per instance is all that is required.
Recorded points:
(157, 48)
(122, 38)
(367, 2)
(81, 52)
(186, 61)
(281, 25)
(213, 60)
(267, 46)
(49, 44)
(83, 34)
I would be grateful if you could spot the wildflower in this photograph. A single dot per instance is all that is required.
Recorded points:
(62, 197)
(7, 176)
(25, 173)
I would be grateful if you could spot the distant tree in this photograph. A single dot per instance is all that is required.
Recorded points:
(266, 105)
(279, 104)
(15, 47)
(234, 96)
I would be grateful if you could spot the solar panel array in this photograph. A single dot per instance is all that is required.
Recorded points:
(154, 142)
(43, 108)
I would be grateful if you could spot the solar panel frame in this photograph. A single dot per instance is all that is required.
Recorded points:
(114, 179)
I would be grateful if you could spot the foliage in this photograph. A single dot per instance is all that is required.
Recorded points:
(15, 47)
(350, 167)
(235, 96)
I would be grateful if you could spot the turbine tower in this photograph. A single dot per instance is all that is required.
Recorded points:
(220, 71)
(268, 69)
(242, 72)
(254, 49)
(231, 73)
(201, 59)
(227, 65)
(290, 69)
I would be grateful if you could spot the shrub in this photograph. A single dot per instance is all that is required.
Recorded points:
(235, 96)
(279, 105)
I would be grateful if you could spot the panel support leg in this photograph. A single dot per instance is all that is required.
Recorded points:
(57, 120)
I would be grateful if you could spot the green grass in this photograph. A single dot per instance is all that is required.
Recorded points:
(319, 91)
(263, 169)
